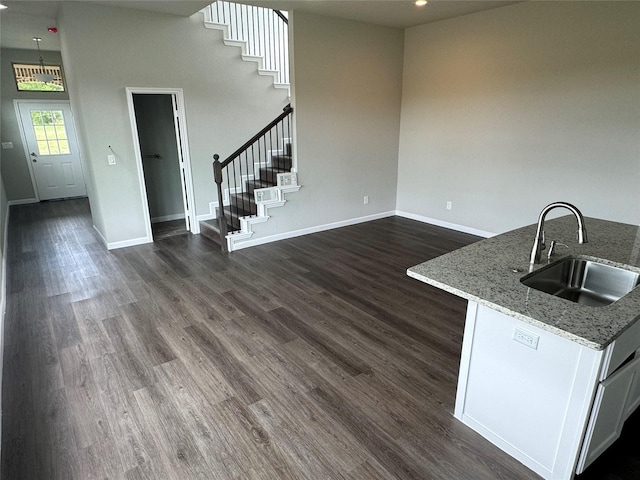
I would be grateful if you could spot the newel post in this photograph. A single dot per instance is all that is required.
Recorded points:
(222, 220)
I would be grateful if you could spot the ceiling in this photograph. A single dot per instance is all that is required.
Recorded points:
(25, 19)
(390, 13)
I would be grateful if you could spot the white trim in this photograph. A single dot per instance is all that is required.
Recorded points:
(122, 244)
(23, 137)
(441, 223)
(179, 96)
(208, 216)
(101, 237)
(316, 229)
(22, 201)
(168, 218)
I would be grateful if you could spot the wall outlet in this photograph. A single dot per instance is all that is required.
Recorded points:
(111, 159)
(448, 205)
(526, 338)
(366, 199)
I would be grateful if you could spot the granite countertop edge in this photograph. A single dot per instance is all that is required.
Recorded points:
(488, 272)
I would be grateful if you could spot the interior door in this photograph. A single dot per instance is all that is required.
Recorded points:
(53, 152)
(183, 172)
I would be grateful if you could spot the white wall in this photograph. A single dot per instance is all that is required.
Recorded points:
(15, 170)
(107, 49)
(507, 110)
(347, 80)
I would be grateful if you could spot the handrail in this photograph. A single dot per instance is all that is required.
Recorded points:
(256, 137)
(282, 17)
(256, 164)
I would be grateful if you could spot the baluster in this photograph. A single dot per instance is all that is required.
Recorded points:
(253, 172)
(254, 21)
(264, 152)
(237, 36)
(242, 19)
(278, 167)
(230, 221)
(246, 206)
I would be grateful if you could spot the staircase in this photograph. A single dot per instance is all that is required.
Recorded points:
(260, 33)
(252, 180)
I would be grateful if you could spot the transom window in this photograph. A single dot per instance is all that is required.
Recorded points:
(27, 80)
(51, 133)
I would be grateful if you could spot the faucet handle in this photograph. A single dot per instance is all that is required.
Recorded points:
(552, 247)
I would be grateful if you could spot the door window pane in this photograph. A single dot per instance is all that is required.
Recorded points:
(50, 132)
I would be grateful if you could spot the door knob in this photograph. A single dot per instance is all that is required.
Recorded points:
(34, 159)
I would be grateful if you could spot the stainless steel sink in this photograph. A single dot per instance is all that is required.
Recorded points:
(583, 281)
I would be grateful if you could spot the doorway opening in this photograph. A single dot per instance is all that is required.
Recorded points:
(163, 164)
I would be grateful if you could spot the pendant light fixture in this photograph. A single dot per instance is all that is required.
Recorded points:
(42, 76)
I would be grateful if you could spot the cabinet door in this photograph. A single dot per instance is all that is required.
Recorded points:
(633, 401)
(608, 414)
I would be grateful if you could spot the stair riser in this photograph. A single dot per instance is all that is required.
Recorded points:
(255, 184)
(270, 175)
(244, 205)
(282, 162)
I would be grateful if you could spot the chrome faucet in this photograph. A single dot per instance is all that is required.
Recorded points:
(538, 243)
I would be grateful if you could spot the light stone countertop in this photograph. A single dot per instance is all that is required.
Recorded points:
(483, 272)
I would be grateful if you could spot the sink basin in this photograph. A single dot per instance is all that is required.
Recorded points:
(583, 281)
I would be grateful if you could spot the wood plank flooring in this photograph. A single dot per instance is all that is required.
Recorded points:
(311, 358)
(162, 230)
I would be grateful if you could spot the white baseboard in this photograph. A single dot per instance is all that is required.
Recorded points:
(128, 243)
(22, 201)
(441, 223)
(168, 218)
(101, 237)
(122, 244)
(307, 231)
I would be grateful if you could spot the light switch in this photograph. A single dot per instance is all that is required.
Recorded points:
(7, 145)
(111, 159)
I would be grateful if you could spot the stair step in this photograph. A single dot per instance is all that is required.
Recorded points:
(282, 162)
(252, 185)
(243, 204)
(271, 174)
(209, 229)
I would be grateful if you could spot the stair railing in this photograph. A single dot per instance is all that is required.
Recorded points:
(265, 31)
(251, 162)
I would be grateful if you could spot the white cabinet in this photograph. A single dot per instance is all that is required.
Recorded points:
(538, 396)
(616, 398)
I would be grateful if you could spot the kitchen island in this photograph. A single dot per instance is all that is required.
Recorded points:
(549, 381)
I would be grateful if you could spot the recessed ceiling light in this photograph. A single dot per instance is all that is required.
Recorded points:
(2, 7)
(421, 3)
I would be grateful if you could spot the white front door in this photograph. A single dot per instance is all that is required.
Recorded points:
(52, 148)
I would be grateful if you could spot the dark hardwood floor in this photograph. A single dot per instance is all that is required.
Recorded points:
(311, 358)
(162, 230)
